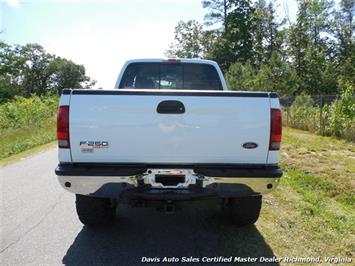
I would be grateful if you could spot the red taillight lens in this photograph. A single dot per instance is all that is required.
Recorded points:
(63, 127)
(275, 130)
(172, 60)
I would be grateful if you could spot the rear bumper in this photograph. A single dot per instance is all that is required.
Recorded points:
(217, 170)
(138, 181)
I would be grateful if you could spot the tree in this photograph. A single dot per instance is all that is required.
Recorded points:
(66, 74)
(275, 75)
(236, 44)
(314, 55)
(240, 76)
(267, 39)
(278, 73)
(188, 40)
(11, 66)
(298, 41)
(310, 48)
(343, 28)
(29, 69)
(218, 12)
(35, 74)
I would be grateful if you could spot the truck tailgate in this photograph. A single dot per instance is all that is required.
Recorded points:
(126, 127)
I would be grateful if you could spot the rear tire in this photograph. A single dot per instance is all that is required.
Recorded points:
(94, 211)
(244, 211)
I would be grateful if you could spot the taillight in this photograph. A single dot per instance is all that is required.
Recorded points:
(172, 60)
(275, 130)
(63, 127)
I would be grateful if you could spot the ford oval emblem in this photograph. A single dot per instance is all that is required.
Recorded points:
(250, 145)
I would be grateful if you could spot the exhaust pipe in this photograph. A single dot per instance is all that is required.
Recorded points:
(170, 208)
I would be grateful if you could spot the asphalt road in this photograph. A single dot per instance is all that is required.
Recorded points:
(39, 226)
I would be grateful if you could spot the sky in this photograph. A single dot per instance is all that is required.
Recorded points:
(102, 35)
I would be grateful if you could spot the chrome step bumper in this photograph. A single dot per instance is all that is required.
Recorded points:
(114, 186)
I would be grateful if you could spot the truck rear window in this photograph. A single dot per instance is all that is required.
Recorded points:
(184, 76)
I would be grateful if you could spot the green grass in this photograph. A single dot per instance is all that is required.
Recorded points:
(26, 123)
(18, 140)
(311, 213)
(26, 153)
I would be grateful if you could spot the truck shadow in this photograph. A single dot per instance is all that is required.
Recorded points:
(198, 230)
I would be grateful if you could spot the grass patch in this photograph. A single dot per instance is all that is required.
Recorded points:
(18, 140)
(26, 153)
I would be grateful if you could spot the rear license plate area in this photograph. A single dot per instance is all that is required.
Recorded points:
(170, 180)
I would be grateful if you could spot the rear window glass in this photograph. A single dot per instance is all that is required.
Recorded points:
(170, 76)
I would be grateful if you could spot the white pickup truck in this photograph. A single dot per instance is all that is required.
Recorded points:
(170, 131)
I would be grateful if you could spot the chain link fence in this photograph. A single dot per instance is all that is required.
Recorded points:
(307, 112)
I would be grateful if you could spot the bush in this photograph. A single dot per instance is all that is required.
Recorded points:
(338, 118)
(27, 112)
(303, 114)
(341, 121)
(26, 123)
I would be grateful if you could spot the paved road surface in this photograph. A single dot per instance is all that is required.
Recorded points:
(39, 226)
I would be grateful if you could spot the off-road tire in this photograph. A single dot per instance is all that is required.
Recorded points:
(243, 211)
(94, 211)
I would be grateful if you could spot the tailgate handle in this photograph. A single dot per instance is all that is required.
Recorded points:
(171, 107)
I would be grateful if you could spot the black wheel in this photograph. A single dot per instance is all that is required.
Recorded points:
(244, 210)
(94, 211)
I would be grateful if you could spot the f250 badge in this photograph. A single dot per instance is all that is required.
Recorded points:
(89, 146)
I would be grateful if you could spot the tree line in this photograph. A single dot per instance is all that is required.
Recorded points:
(315, 54)
(27, 70)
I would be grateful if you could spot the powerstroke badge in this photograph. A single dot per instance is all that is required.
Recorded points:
(89, 146)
